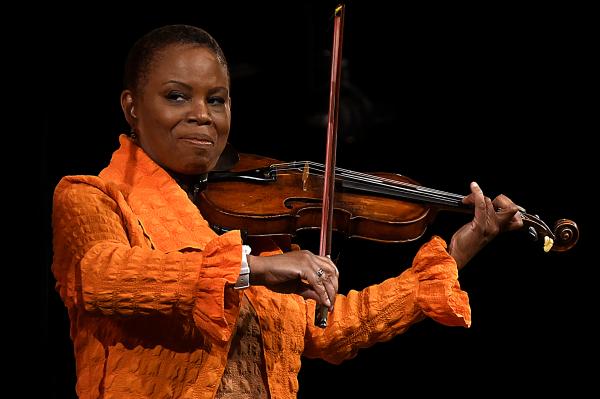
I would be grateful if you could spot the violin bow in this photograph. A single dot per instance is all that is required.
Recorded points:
(321, 311)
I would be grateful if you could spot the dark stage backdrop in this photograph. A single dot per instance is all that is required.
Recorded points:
(500, 95)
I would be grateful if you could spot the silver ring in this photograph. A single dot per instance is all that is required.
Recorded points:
(320, 273)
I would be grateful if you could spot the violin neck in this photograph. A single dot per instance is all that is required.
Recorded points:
(411, 192)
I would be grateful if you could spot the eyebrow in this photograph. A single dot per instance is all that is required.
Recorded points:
(177, 82)
(190, 87)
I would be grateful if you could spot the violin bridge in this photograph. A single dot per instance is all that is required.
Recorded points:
(305, 174)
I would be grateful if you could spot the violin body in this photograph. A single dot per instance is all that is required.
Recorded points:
(292, 202)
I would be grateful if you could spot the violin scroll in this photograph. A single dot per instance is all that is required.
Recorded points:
(563, 237)
(566, 233)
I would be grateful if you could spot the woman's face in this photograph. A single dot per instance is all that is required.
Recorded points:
(182, 114)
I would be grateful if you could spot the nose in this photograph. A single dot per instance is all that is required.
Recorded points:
(200, 113)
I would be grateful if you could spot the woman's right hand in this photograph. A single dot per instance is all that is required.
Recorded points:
(297, 272)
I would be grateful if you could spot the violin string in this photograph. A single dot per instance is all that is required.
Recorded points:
(393, 188)
(373, 180)
(370, 179)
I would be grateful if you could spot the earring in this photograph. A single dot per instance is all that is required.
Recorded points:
(132, 135)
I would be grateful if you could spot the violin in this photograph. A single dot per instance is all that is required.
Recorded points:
(264, 197)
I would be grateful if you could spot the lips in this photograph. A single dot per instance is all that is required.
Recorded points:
(198, 139)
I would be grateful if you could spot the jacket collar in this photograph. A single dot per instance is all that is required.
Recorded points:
(168, 217)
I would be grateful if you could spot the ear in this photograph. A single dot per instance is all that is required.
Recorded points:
(128, 108)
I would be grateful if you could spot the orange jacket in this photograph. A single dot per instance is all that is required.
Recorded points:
(147, 285)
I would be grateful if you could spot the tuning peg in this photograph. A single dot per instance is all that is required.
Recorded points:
(532, 233)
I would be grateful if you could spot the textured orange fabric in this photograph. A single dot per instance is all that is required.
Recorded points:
(148, 288)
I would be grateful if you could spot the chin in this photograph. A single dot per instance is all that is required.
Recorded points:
(197, 168)
(194, 171)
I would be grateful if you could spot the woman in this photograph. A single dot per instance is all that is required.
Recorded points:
(162, 306)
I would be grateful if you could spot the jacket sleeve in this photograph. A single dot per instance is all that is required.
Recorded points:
(378, 313)
(102, 265)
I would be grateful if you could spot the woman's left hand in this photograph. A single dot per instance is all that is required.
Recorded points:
(491, 218)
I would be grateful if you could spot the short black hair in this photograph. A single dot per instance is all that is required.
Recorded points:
(142, 54)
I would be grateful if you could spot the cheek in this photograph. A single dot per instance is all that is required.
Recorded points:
(159, 114)
(167, 118)
(156, 128)
(223, 123)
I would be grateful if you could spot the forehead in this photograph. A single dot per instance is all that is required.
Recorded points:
(188, 63)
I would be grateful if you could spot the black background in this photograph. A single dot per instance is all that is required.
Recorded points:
(446, 95)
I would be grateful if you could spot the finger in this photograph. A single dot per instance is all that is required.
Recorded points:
(330, 278)
(507, 213)
(307, 292)
(331, 288)
(491, 217)
(329, 268)
(327, 264)
(335, 280)
(469, 199)
(317, 285)
(516, 222)
(330, 283)
(503, 202)
(489, 207)
(509, 221)
(478, 201)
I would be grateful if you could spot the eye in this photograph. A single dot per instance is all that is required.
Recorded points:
(216, 100)
(176, 97)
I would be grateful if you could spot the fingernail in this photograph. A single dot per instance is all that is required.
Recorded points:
(475, 184)
(328, 303)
